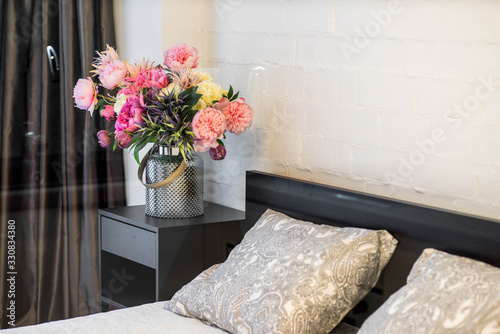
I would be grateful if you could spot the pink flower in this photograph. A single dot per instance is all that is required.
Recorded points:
(109, 113)
(130, 115)
(239, 116)
(218, 153)
(139, 67)
(208, 126)
(222, 104)
(157, 78)
(104, 138)
(181, 56)
(104, 59)
(144, 78)
(113, 74)
(185, 78)
(123, 139)
(85, 95)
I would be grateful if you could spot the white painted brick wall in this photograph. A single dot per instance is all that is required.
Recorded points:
(349, 121)
(344, 101)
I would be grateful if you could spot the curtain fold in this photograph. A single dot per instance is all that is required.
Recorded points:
(54, 176)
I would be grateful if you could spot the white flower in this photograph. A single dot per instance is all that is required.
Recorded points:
(120, 101)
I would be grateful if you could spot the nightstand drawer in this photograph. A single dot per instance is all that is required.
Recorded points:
(128, 241)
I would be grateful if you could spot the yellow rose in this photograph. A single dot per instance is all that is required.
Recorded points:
(203, 76)
(210, 92)
(200, 105)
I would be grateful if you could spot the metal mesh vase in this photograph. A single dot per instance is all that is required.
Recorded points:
(183, 198)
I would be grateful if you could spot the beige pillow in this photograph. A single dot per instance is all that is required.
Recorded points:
(445, 294)
(287, 276)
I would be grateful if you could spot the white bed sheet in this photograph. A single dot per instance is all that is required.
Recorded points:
(147, 318)
(143, 319)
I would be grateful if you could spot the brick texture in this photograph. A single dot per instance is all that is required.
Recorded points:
(397, 98)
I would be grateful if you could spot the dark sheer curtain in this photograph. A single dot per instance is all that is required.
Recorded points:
(53, 174)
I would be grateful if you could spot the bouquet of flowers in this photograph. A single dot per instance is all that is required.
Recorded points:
(172, 105)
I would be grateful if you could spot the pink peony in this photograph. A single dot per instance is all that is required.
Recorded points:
(157, 78)
(199, 146)
(222, 104)
(123, 139)
(208, 126)
(218, 153)
(130, 115)
(239, 116)
(113, 74)
(181, 56)
(85, 94)
(104, 138)
(108, 112)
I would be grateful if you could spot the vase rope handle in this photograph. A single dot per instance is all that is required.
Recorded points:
(166, 181)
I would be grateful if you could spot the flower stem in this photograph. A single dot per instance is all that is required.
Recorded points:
(106, 98)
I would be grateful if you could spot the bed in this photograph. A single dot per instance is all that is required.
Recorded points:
(416, 281)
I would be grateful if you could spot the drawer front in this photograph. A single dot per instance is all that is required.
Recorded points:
(128, 241)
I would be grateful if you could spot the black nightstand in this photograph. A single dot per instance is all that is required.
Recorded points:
(144, 259)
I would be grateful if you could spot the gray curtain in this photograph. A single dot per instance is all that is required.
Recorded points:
(53, 174)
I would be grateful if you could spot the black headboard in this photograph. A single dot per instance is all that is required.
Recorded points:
(416, 227)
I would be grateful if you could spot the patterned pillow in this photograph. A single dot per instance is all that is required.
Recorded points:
(287, 276)
(445, 294)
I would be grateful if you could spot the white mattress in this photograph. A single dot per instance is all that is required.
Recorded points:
(144, 319)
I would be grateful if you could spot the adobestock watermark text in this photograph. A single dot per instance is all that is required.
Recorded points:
(373, 28)
(453, 119)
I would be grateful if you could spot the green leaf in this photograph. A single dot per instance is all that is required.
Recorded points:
(139, 145)
(189, 115)
(191, 100)
(220, 142)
